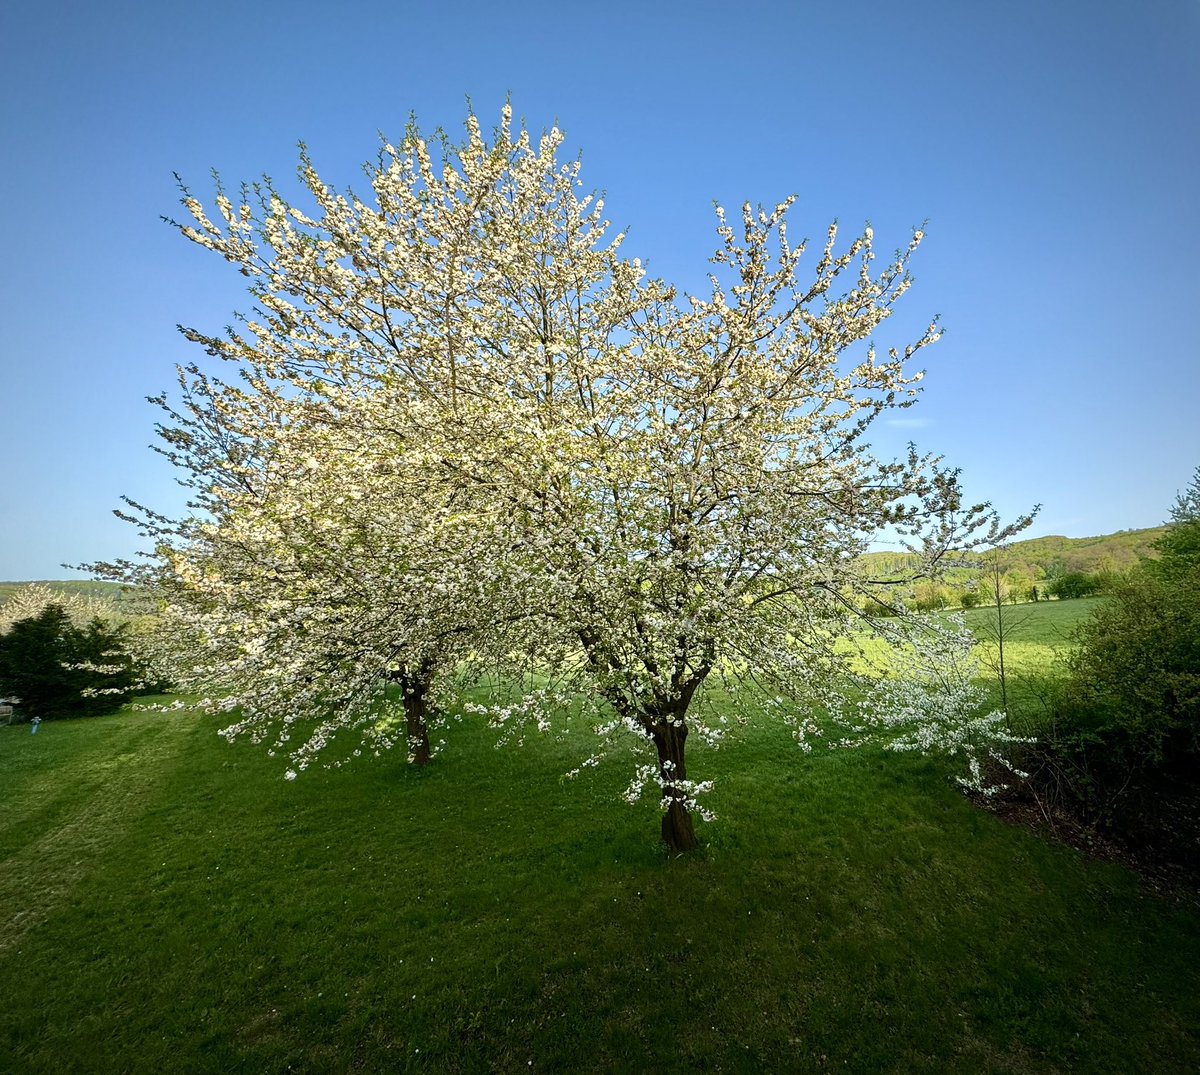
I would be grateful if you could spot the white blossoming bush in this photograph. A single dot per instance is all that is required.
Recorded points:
(30, 601)
(927, 700)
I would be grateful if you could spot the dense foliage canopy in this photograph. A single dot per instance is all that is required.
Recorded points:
(1129, 716)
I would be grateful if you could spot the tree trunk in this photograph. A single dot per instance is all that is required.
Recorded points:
(414, 692)
(670, 734)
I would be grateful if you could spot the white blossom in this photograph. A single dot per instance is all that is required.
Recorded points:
(927, 700)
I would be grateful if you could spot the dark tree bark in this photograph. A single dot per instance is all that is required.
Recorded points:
(665, 719)
(670, 735)
(414, 691)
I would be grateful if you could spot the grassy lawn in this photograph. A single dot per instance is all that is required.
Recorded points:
(171, 904)
(1038, 639)
(1040, 631)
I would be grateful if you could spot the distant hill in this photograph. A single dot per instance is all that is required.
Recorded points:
(1027, 563)
(1033, 558)
(1056, 555)
(113, 591)
(1111, 552)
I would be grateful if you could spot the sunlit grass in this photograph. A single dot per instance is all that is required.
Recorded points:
(1038, 639)
(171, 903)
(1037, 633)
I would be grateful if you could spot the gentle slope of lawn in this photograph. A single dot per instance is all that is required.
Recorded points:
(171, 904)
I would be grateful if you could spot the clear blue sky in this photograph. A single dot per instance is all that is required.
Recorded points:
(1053, 148)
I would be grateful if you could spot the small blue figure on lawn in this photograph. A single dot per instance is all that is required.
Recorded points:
(33, 725)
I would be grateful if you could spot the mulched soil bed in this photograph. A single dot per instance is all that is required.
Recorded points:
(1157, 834)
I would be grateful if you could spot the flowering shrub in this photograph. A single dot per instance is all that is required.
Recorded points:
(926, 700)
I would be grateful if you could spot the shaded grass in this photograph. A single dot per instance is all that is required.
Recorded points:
(170, 903)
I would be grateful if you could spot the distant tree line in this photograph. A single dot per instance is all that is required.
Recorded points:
(942, 595)
(1036, 569)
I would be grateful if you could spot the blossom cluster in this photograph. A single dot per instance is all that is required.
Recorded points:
(927, 700)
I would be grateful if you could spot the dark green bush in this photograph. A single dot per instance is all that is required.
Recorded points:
(881, 609)
(1139, 664)
(1128, 716)
(1075, 584)
(57, 669)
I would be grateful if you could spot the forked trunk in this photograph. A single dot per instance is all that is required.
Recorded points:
(670, 734)
(662, 713)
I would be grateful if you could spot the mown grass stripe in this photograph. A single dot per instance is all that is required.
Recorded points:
(61, 820)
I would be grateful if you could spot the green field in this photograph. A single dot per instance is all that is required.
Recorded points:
(1038, 640)
(172, 904)
(1041, 630)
